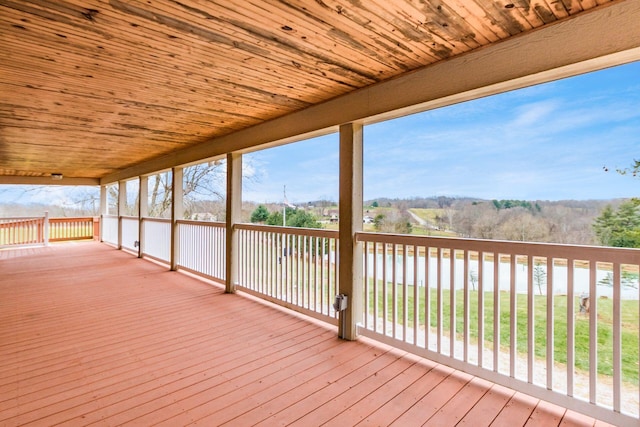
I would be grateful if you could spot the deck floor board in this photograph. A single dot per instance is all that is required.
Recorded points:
(94, 336)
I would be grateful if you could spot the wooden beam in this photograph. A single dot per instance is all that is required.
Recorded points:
(589, 41)
(46, 180)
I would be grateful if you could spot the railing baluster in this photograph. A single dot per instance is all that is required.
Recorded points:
(439, 302)
(452, 302)
(375, 287)
(593, 334)
(513, 316)
(405, 296)
(394, 289)
(550, 322)
(617, 337)
(496, 311)
(530, 317)
(416, 296)
(427, 298)
(480, 308)
(571, 328)
(385, 309)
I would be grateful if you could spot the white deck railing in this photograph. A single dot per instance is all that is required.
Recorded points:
(294, 267)
(202, 248)
(157, 238)
(568, 315)
(561, 311)
(130, 225)
(110, 229)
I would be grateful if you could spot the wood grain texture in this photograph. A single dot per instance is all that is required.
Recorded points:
(92, 87)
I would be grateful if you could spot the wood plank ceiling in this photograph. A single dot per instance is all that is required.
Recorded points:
(89, 87)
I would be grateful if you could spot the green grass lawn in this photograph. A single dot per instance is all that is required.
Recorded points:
(629, 311)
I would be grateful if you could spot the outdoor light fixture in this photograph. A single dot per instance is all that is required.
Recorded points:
(56, 176)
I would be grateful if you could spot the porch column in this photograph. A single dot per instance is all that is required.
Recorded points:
(350, 210)
(234, 216)
(143, 210)
(104, 209)
(122, 204)
(177, 212)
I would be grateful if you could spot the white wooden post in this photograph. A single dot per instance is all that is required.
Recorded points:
(234, 216)
(350, 220)
(177, 212)
(46, 228)
(122, 204)
(104, 209)
(143, 211)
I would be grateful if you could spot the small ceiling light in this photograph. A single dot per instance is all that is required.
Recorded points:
(56, 176)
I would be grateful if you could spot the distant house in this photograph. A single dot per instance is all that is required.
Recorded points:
(203, 216)
(367, 219)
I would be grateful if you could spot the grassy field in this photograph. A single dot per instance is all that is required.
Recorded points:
(630, 328)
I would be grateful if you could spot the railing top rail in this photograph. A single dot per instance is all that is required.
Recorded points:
(21, 218)
(110, 216)
(135, 218)
(553, 250)
(205, 223)
(71, 218)
(298, 231)
(161, 220)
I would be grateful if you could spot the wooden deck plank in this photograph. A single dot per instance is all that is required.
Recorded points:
(92, 335)
(488, 407)
(460, 404)
(426, 407)
(354, 395)
(263, 408)
(358, 411)
(408, 397)
(516, 412)
(346, 380)
(545, 414)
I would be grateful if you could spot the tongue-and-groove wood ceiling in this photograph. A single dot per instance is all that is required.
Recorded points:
(90, 87)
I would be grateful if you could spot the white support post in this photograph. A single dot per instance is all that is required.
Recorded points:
(46, 228)
(234, 216)
(177, 212)
(143, 211)
(104, 209)
(350, 209)
(122, 204)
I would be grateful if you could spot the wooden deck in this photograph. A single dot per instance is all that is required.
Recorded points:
(92, 335)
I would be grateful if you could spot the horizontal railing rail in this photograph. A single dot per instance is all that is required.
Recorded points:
(294, 267)
(545, 319)
(203, 248)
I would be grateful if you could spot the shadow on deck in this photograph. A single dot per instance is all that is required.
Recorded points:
(89, 334)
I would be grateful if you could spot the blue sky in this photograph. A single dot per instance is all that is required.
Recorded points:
(548, 142)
